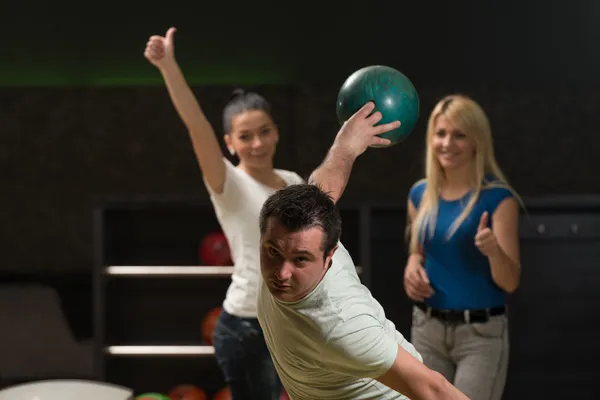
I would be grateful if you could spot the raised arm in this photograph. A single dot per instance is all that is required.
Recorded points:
(160, 51)
(355, 136)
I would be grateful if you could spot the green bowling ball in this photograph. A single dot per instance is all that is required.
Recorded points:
(392, 92)
(152, 396)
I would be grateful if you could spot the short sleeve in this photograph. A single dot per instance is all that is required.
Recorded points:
(360, 347)
(495, 195)
(298, 180)
(231, 195)
(415, 193)
(291, 178)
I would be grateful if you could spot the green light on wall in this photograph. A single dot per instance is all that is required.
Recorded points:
(139, 75)
(207, 76)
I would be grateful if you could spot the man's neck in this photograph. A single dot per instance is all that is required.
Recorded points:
(310, 290)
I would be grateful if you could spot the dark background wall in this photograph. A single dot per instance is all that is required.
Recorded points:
(64, 150)
(84, 118)
(94, 121)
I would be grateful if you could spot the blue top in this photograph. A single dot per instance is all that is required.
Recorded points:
(459, 273)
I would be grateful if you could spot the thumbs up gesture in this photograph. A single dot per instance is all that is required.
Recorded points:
(161, 49)
(485, 240)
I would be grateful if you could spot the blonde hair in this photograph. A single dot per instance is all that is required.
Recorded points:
(467, 116)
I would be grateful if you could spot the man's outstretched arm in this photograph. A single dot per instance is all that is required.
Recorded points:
(355, 136)
(362, 347)
(413, 379)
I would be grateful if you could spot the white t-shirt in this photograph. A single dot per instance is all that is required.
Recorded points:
(333, 342)
(237, 208)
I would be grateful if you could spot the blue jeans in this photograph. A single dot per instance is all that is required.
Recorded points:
(244, 359)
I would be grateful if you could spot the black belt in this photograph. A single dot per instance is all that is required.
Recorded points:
(462, 316)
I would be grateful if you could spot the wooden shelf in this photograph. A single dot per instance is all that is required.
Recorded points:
(170, 271)
(158, 270)
(203, 351)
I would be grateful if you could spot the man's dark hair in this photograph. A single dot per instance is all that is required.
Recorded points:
(304, 206)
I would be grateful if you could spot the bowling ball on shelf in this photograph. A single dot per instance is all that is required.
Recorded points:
(223, 394)
(214, 250)
(208, 324)
(152, 396)
(187, 392)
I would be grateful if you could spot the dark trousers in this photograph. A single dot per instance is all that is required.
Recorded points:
(244, 359)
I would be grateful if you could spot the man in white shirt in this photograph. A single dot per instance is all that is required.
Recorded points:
(328, 337)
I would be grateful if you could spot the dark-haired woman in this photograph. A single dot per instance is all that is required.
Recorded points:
(237, 194)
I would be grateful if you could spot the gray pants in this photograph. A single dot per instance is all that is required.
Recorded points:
(474, 356)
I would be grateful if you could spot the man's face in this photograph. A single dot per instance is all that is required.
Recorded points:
(292, 263)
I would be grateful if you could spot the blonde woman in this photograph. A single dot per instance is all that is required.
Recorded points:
(464, 252)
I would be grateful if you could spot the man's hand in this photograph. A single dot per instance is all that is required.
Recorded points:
(359, 131)
(355, 136)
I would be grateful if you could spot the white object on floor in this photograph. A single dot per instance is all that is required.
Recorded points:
(66, 389)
